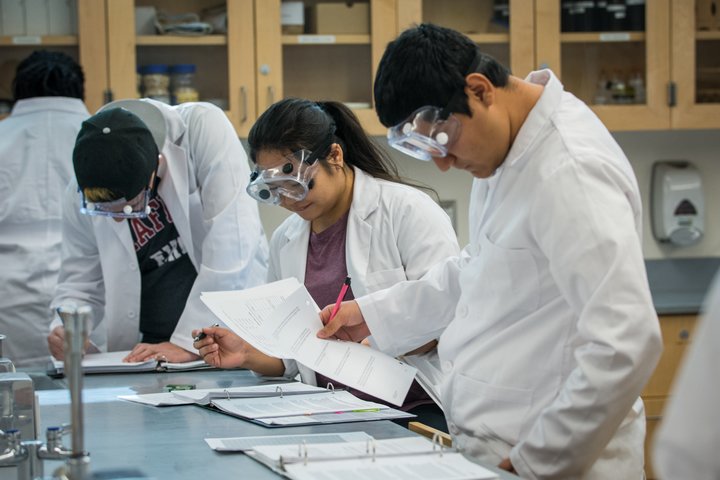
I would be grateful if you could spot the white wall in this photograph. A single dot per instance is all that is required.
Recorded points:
(702, 148)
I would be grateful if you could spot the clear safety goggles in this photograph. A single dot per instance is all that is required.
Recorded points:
(429, 132)
(137, 207)
(292, 179)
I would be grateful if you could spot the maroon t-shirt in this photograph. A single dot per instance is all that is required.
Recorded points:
(325, 272)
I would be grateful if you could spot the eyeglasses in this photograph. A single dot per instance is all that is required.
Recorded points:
(137, 207)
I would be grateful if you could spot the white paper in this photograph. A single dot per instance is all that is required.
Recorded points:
(291, 405)
(244, 311)
(281, 320)
(294, 325)
(166, 399)
(337, 417)
(241, 444)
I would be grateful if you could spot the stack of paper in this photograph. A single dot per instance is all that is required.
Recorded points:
(281, 320)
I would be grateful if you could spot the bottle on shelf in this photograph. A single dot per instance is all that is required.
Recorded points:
(156, 81)
(637, 83)
(602, 92)
(182, 83)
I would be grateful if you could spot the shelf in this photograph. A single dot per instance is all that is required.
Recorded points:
(50, 40)
(178, 40)
(711, 35)
(489, 37)
(602, 37)
(326, 39)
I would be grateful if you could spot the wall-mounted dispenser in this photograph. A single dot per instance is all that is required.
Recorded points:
(678, 208)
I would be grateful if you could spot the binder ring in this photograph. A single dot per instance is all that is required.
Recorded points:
(227, 394)
(305, 452)
(373, 450)
(279, 390)
(331, 387)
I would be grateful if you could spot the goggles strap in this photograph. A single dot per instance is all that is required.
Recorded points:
(447, 110)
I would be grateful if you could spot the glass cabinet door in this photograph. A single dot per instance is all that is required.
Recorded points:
(74, 27)
(332, 55)
(612, 54)
(502, 28)
(696, 63)
(184, 50)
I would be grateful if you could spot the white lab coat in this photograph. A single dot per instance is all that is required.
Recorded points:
(36, 143)
(203, 186)
(547, 328)
(394, 233)
(688, 442)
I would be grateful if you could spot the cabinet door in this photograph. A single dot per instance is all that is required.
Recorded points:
(696, 64)
(77, 30)
(334, 59)
(503, 29)
(616, 61)
(223, 60)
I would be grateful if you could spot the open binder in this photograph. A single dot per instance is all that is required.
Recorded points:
(407, 457)
(322, 407)
(111, 362)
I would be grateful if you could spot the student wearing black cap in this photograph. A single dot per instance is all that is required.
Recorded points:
(158, 215)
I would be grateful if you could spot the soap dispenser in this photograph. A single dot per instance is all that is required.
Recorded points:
(678, 207)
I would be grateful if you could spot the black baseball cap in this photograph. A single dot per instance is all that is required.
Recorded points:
(117, 150)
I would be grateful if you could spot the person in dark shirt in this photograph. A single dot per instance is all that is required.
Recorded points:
(156, 217)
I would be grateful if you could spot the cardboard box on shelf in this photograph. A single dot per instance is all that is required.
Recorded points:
(340, 18)
(706, 15)
(292, 18)
(145, 20)
(467, 16)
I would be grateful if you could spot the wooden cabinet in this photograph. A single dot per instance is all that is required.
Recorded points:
(677, 333)
(87, 46)
(325, 65)
(677, 65)
(224, 62)
(505, 30)
(674, 58)
(695, 66)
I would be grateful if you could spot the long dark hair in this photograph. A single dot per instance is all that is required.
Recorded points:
(294, 124)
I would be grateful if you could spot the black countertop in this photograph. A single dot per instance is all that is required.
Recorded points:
(679, 285)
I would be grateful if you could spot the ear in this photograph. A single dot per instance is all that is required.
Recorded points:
(336, 157)
(481, 88)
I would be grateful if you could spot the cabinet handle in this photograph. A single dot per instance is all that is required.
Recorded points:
(653, 417)
(243, 100)
(271, 94)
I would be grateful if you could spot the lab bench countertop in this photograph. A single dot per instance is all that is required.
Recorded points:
(169, 442)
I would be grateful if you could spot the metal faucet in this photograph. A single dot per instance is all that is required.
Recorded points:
(28, 455)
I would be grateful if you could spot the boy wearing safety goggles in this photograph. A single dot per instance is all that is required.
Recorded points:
(548, 331)
(157, 215)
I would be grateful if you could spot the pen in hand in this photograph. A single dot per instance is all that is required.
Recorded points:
(341, 296)
(202, 334)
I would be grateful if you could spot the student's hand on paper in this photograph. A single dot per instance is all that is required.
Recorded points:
(348, 324)
(159, 351)
(56, 343)
(507, 465)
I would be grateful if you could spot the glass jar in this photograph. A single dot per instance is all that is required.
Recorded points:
(156, 81)
(182, 81)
